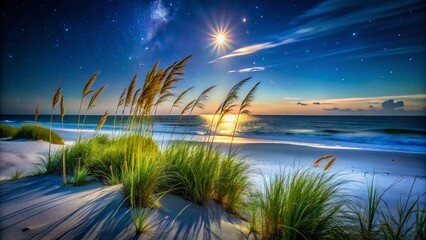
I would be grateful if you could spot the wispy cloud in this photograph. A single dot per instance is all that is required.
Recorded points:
(389, 52)
(252, 69)
(323, 20)
(374, 100)
(292, 98)
(255, 48)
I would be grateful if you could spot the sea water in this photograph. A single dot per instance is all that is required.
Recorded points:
(381, 133)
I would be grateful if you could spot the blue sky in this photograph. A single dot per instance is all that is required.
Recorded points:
(321, 57)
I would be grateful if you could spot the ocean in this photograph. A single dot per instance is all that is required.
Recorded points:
(380, 133)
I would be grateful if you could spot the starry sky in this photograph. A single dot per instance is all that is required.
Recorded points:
(327, 57)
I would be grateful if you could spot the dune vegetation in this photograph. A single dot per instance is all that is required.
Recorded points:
(7, 131)
(294, 204)
(31, 132)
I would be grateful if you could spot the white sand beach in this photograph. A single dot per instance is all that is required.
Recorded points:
(42, 208)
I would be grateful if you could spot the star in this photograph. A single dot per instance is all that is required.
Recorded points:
(244, 19)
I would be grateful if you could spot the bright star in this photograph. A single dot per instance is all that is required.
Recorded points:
(220, 39)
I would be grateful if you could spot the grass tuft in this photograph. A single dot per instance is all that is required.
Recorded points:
(201, 174)
(17, 174)
(80, 176)
(143, 180)
(300, 204)
(7, 131)
(36, 132)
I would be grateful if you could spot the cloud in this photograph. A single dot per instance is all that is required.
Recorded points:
(373, 100)
(252, 69)
(292, 98)
(391, 105)
(332, 17)
(302, 104)
(339, 109)
(316, 103)
(255, 48)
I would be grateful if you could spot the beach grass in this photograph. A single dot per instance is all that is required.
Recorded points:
(37, 132)
(80, 175)
(201, 174)
(7, 131)
(142, 181)
(301, 204)
(16, 174)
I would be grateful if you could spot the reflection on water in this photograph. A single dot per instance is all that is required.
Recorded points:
(227, 124)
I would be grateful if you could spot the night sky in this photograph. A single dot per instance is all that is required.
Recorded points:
(326, 57)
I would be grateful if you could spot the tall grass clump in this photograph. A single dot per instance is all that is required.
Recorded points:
(301, 204)
(192, 170)
(233, 182)
(7, 131)
(105, 157)
(143, 180)
(36, 132)
(201, 175)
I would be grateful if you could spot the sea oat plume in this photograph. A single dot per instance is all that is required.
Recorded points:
(86, 90)
(36, 114)
(62, 107)
(102, 121)
(316, 162)
(95, 96)
(328, 165)
(56, 97)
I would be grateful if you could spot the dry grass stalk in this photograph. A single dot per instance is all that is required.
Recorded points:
(120, 102)
(173, 74)
(86, 90)
(62, 107)
(328, 165)
(202, 99)
(246, 103)
(243, 110)
(56, 98)
(36, 114)
(187, 107)
(134, 100)
(94, 97)
(64, 168)
(130, 91)
(102, 121)
(316, 162)
(179, 98)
